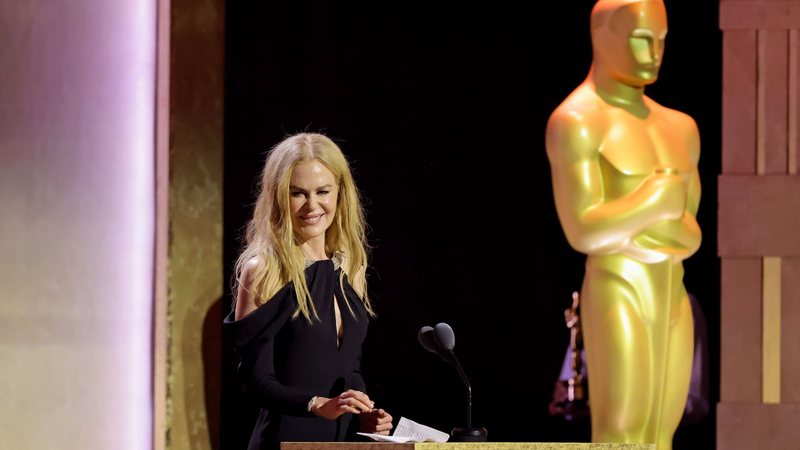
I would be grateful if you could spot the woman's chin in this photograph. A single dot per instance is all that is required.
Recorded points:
(310, 233)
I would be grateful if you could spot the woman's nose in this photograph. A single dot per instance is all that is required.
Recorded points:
(312, 201)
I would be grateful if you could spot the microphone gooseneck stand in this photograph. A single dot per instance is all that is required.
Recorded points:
(466, 434)
(441, 340)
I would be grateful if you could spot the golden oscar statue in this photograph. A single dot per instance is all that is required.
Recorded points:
(627, 189)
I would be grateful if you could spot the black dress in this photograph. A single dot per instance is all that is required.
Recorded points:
(285, 361)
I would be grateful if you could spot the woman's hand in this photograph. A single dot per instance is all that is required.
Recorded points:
(351, 401)
(376, 421)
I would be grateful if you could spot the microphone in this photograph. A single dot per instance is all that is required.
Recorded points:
(428, 342)
(442, 340)
(444, 336)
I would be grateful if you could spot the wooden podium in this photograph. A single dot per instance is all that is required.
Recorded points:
(461, 446)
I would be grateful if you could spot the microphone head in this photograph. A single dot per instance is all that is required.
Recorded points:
(425, 336)
(444, 336)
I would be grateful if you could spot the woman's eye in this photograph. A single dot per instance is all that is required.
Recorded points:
(323, 192)
(296, 194)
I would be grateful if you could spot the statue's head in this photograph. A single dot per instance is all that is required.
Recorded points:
(628, 39)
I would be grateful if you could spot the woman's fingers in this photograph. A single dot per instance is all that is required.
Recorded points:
(355, 404)
(384, 417)
(383, 427)
(349, 409)
(360, 396)
(381, 416)
(357, 399)
(376, 421)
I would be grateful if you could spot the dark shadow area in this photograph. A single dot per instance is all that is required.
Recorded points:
(441, 108)
(212, 375)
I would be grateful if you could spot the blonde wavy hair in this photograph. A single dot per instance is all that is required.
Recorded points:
(270, 238)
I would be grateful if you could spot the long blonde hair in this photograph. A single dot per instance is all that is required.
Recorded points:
(270, 239)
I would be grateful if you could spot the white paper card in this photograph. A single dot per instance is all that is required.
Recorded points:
(410, 431)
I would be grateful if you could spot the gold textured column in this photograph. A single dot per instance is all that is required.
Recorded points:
(194, 248)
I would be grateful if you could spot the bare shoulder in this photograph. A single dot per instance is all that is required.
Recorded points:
(576, 128)
(245, 298)
(250, 269)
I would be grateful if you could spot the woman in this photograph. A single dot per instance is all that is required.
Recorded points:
(302, 308)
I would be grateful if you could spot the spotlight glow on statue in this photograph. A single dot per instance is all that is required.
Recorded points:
(627, 189)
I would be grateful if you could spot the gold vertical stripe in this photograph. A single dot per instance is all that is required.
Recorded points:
(761, 153)
(771, 331)
(793, 36)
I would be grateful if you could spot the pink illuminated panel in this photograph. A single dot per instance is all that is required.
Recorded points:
(77, 117)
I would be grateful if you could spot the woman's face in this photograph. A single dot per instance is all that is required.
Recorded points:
(313, 192)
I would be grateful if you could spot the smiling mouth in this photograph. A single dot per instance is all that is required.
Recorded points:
(313, 219)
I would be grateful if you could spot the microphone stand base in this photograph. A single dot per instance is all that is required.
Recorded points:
(468, 435)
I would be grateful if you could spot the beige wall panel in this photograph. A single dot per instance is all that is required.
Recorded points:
(758, 215)
(744, 426)
(758, 218)
(740, 317)
(739, 102)
(774, 69)
(762, 15)
(790, 331)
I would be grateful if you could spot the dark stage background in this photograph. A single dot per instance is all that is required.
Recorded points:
(442, 107)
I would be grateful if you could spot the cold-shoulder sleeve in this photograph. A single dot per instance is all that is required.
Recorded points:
(357, 381)
(253, 337)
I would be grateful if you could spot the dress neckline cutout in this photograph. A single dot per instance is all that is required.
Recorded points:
(336, 259)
